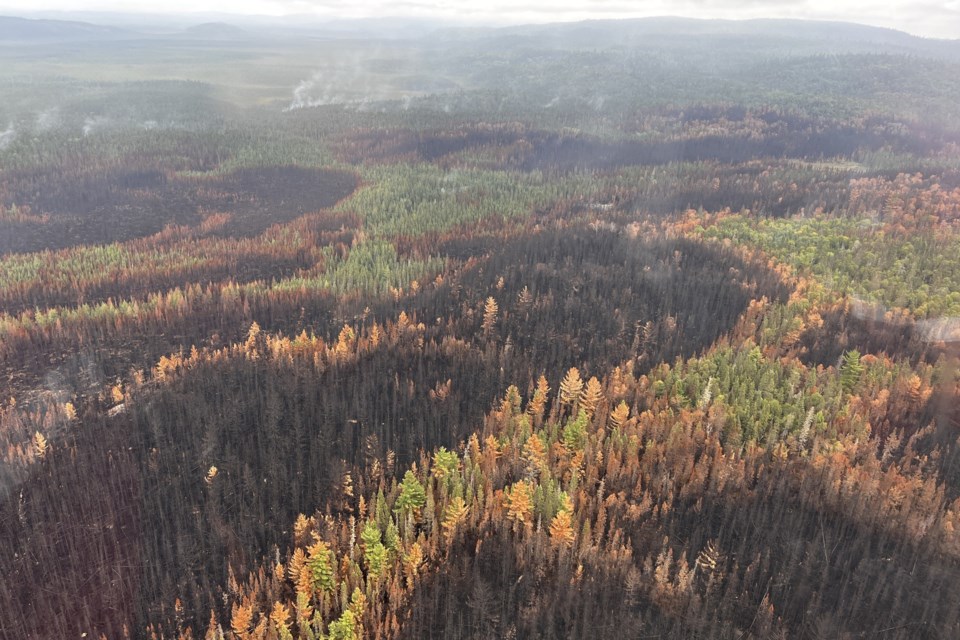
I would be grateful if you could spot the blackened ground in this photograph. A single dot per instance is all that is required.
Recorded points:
(100, 207)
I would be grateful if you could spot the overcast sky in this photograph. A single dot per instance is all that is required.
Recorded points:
(935, 18)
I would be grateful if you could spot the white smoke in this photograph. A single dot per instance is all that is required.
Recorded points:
(940, 329)
(302, 94)
(338, 83)
(47, 120)
(597, 102)
(943, 329)
(7, 137)
(96, 123)
(348, 81)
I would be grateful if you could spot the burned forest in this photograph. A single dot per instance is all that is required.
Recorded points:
(617, 329)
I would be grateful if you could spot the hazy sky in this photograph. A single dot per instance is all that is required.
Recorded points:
(936, 18)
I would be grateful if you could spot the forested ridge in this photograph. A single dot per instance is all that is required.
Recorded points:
(643, 354)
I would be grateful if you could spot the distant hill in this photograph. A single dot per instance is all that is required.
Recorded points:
(712, 37)
(24, 29)
(217, 31)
